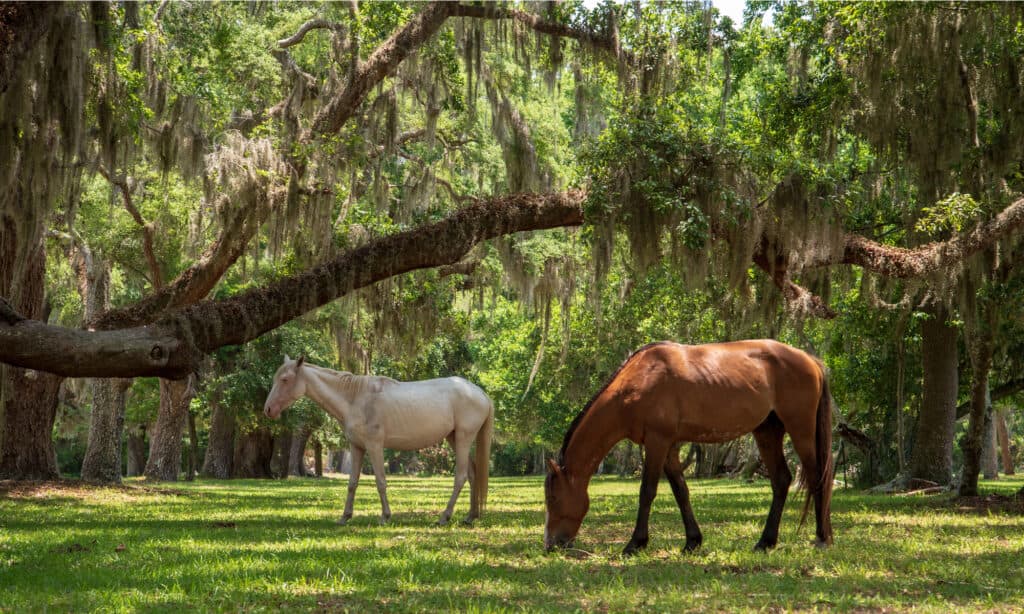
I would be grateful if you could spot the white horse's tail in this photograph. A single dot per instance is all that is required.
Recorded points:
(482, 463)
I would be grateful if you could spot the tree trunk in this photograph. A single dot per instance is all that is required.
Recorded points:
(136, 450)
(282, 454)
(221, 444)
(1003, 435)
(989, 450)
(973, 442)
(296, 457)
(165, 440)
(318, 458)
(102, 464)
(932, 457)
(253, 453)
(26, 437)
(28, 399)
(193, 448)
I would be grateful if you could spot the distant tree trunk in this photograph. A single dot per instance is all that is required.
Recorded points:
(253, 453)
(1003, 435)
(193, 448)
(102, 462)
(281, 455)
(296, 464)
(980, 322)
(318, 458)
(165, 440)
(990, 450)
(932, 456)
(136, 450)
(221, 444)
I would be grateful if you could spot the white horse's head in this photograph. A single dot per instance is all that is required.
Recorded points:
(289, 386)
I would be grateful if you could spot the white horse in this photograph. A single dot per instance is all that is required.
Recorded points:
(379, 412)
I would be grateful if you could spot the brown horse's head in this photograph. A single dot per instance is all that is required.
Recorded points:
(567, 503)
(288, 387)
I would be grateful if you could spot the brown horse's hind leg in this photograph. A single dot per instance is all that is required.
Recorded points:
(674, 473)
(654, 463)
(769, 442)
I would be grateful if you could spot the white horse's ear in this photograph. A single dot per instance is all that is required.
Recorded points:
(301, 360)
(286, 359)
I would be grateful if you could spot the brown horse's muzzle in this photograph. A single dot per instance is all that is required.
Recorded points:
(557, 540)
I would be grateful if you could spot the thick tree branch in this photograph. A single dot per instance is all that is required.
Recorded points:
(495, 11)
(194, 283)
(147, 229)
(381, 63)
(304, 29)
(997, 394)
(903, 263)
(798, 297)
(174, 345)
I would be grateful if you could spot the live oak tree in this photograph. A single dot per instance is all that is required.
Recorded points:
(380, 107)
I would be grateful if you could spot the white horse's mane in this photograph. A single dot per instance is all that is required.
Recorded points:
(357, 383)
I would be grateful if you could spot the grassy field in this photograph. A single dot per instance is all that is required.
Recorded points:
(263, 545)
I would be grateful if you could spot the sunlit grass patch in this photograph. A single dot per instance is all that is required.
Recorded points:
(269, 545)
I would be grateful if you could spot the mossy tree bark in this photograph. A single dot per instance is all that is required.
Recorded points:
(296, 457)
(932, 456)
(217, 462)
(980, 319)
(28, 398)
(165, 441)
(136, 450)
(253, 452)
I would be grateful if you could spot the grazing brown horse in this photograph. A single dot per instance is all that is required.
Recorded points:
(666, 394)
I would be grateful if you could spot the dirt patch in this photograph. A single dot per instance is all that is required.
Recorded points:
(77, 489)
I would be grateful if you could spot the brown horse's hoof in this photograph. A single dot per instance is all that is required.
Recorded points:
(763, 547)
(633, 548)
(821, 545)
(692, 545)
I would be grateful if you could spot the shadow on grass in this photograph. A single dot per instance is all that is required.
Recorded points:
(260, 545)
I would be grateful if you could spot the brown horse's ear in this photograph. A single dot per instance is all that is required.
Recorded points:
(554, 467)
(299, 362)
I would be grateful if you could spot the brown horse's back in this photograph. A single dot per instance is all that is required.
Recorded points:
(716, 392)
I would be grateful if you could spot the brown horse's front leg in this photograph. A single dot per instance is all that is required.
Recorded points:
(654, 462)
(674, 473)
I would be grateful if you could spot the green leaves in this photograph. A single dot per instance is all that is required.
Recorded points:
(951, 214)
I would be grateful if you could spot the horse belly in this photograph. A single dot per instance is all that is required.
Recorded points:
(721, 422)
(414, 432)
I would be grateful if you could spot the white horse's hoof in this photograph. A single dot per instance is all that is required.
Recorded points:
(442, 521)
(342, 521)
(384, 520)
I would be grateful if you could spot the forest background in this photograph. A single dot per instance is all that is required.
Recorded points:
(520, 194)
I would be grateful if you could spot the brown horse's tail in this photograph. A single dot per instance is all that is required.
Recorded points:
(820, 485)
(482, 464)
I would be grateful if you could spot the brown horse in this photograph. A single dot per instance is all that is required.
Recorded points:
(666, 394)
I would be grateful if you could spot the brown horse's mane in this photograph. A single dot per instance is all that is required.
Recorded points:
(579, 417)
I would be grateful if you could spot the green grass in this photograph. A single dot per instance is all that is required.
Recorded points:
(271, 545)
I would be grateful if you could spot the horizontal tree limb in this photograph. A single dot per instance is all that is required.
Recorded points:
(304, 29)
(174, 346)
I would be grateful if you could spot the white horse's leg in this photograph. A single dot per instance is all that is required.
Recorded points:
(377, 460)
(353, 482)
(462, 443)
